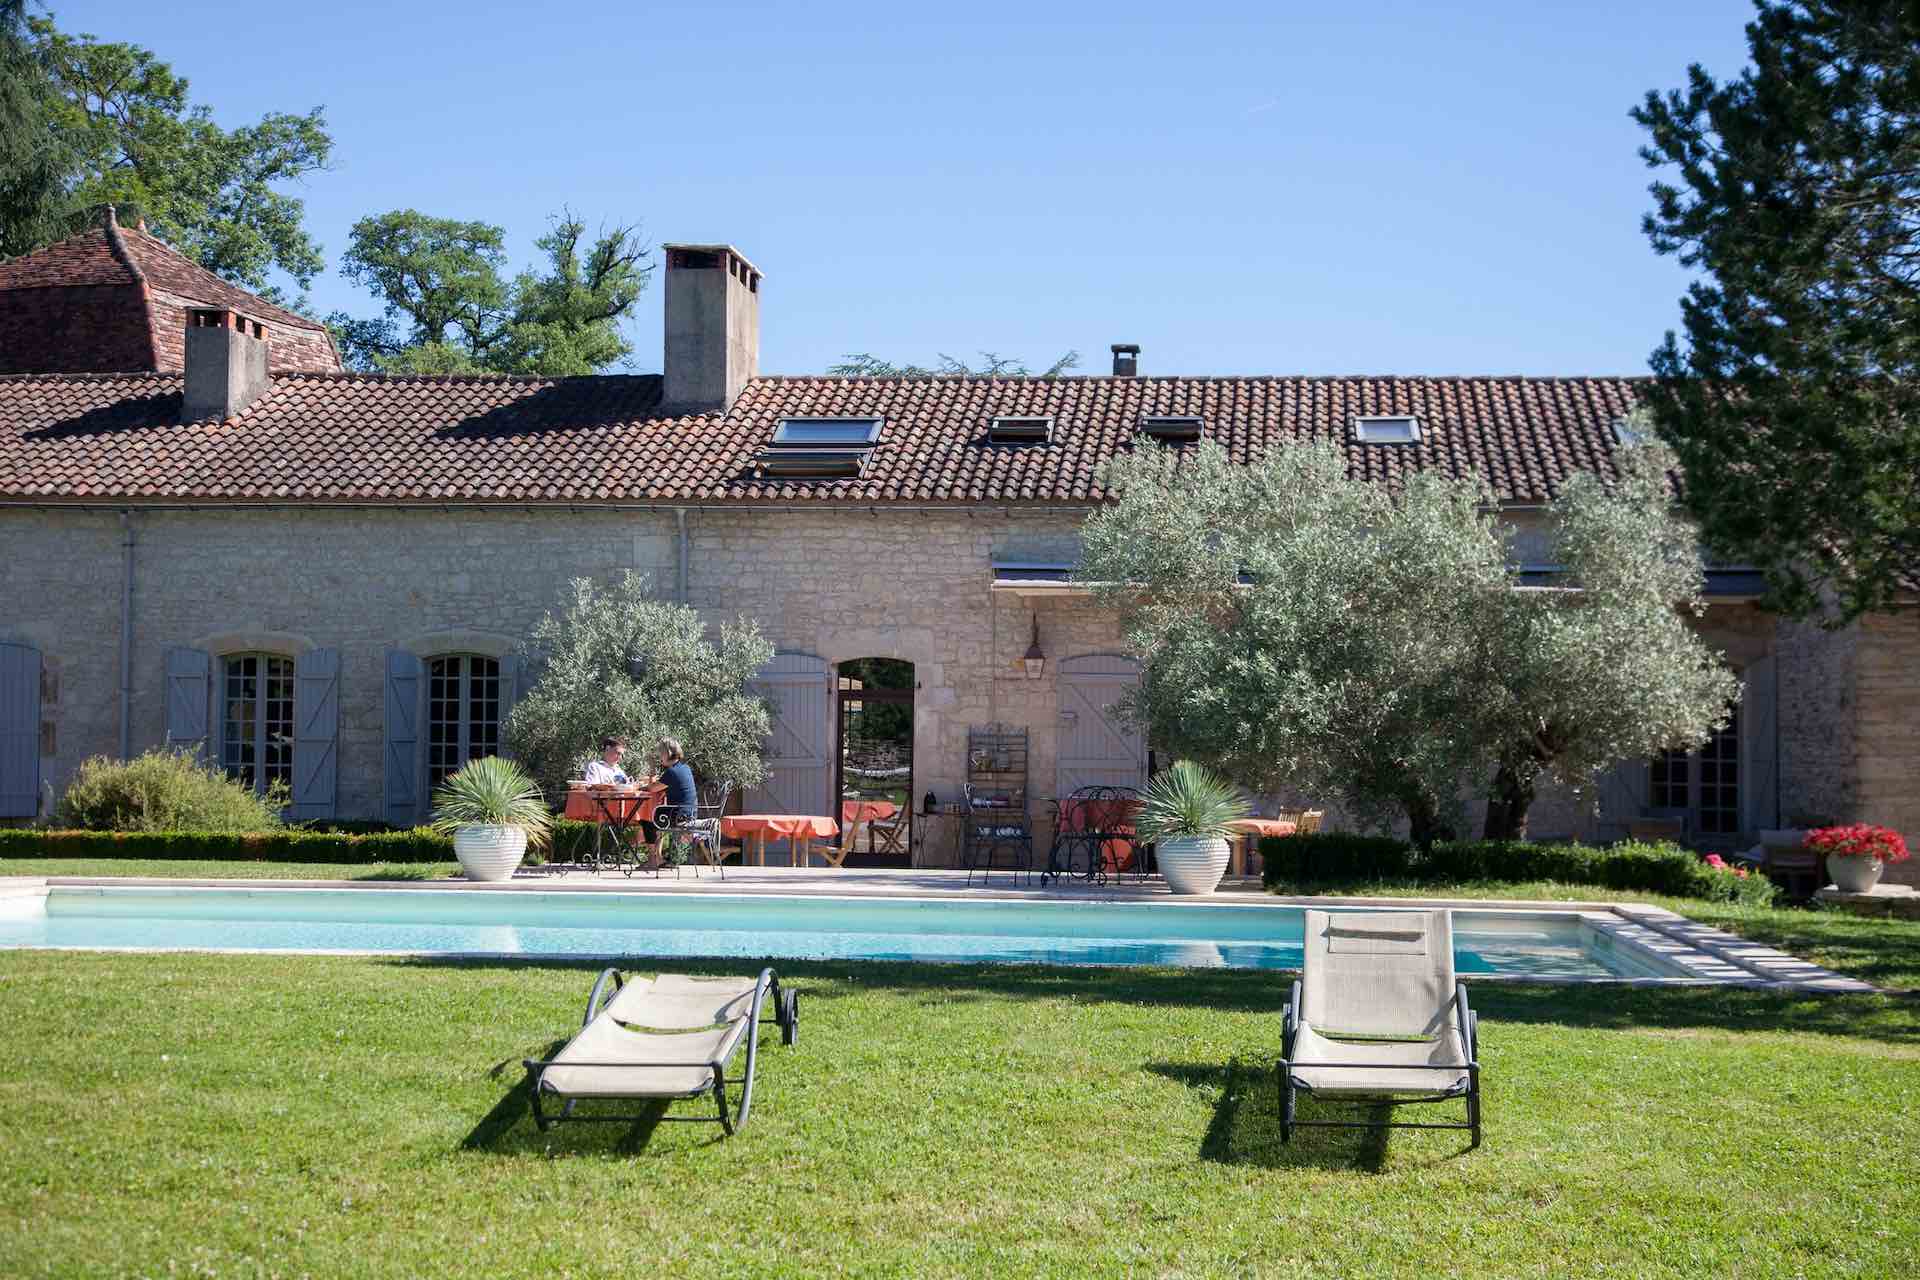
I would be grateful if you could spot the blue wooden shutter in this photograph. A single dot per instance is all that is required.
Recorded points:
(189, 673)
(316, 734)
(19, 731)
(1624, 792)
(403, 768)
(509, 694)
(799, 749)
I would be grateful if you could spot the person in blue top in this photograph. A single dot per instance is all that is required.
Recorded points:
(677, 777)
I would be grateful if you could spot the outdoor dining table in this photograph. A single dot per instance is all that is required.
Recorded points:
(855, 815)
(1251, 829)
(618, 811)
(752, 830)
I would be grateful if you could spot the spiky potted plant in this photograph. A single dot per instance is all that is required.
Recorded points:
(494, 813)
(1187, 816)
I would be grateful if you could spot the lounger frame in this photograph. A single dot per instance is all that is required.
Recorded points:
(1468, 1024)
(786, 1012)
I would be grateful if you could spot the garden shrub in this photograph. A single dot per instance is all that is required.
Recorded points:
(1335, 855)
(421, 844)
(165, 790)
(1334, 858)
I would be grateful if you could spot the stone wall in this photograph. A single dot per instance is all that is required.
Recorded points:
(911, 585)
(1887, 748)
(60, 593)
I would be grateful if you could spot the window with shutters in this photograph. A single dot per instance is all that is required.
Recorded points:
(256, 731)
(463, 712)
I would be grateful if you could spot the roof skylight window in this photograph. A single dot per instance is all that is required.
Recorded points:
(812, 433)
(1020, 430)
(1627, 433)
(1386, 430)
(1172, 426)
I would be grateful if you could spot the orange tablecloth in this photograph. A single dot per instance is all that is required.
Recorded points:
(583, 805)
(1249, 829)
(802, 828)
(857, 811)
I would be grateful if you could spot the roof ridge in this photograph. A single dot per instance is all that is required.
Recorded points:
(368, 375)
(1025, 379)
(117, 246)
(92, 376)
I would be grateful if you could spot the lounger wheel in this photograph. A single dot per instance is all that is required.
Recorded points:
(788, 1015)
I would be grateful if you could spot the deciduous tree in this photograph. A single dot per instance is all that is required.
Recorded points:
(449, 308)
(992, 365)
(219, 195)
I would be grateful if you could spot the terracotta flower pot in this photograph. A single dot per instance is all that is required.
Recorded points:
(1192, 864)
(1855, 875)
(489, 853)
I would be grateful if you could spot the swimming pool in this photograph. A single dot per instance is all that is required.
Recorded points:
(1534, 944)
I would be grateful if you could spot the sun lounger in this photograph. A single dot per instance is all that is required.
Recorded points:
(663, 1038)
(1377, 1016)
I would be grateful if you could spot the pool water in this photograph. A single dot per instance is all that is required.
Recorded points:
(413, 921)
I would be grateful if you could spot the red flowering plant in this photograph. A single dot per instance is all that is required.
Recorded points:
(1719, 863)
(1860, 840)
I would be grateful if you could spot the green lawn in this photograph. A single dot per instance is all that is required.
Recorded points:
(252, 1115)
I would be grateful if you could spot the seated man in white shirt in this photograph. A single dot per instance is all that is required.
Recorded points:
(607, 768)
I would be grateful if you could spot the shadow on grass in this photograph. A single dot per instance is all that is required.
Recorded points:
(1245, 1128)
(510, 1129)
(1893, 1019)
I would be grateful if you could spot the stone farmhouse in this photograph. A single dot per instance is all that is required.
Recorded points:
(212, 535)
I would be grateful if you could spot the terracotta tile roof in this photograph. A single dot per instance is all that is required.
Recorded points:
(362, 438)
(113, 298)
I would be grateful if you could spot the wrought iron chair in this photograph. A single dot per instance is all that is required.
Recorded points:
(991, 829)
(701, 833)
(1094, 835)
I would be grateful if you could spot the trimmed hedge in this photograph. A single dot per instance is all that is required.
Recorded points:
(418, 845)
(292, 844)
(1336, 857)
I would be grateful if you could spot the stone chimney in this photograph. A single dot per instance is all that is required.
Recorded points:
(1126, 359)
(713, 326)
(226, 364)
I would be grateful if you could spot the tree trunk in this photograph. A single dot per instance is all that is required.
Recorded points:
(1507, 803)
(1424, 824)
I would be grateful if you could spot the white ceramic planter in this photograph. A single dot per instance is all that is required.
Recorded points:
(1855, 875)
(1192, 864)
(489, 853)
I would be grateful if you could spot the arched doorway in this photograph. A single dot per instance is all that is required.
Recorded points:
(873, 706)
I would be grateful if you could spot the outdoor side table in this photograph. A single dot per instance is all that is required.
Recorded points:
(1251, 829)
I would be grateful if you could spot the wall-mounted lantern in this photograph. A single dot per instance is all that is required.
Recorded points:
(1036, 659)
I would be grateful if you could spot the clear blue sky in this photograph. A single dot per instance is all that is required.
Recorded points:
(1239, 187)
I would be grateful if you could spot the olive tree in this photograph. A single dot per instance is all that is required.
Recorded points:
(1301, 629)
(1602, 666)
(1304, 629)
(616, 663)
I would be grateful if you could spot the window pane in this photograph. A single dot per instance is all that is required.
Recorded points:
(276, 749)
(1720, 780)
(827, 431)
(483, 707)
(443, 719)
(238, 731)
